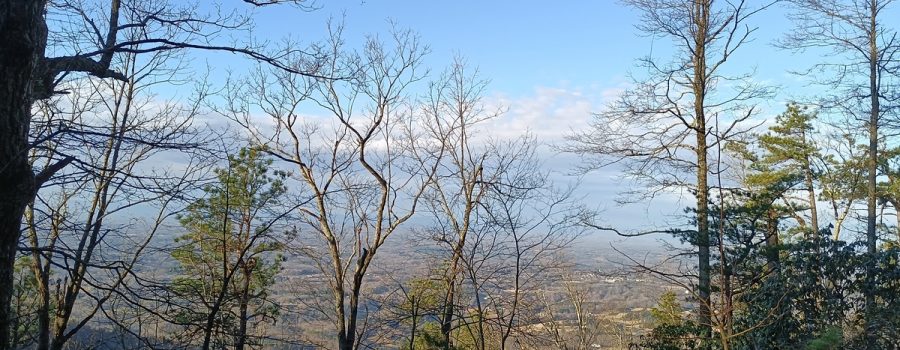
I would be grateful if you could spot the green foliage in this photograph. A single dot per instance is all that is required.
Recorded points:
(786, 161)
(670, 331)
(420, 305)
(831, 339)
(428, 337)
(784, 298)
(469, 335)
(25, 303)
(230, 252)
(889, 190)
(789, 142)
(789, 295)
(425, 294)
(787, 149)
(820, 295)
(668, 310)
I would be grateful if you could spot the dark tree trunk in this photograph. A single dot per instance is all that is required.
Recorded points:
(448, 312)
(42, 276)
(773, 262)
(245, 300)
(23, 38)
(412, 331)
(872, 166)
(449, 307)
(811, 191)
(43, 338)
(348, 341)
(701, 14)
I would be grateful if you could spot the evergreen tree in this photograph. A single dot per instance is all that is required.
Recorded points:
(668, 311)
(24, 304)
(229, 256)
(671, 331)
(787, 162)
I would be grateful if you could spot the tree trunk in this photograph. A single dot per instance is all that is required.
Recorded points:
(812, 198)
(447, 314)
(772, 259)
(348, 339)
(479, 325)
(59, 339)
(898, 221)
(450, 297)
(872, 164)
(412, 330)
(773, 265)
(43, 337)
(726, 330)
(342, 319)
(245, 300)
(23, 38)
(42, 277)
(703, 237)
(701, 16)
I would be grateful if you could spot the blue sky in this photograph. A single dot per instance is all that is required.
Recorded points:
(551, 63)
(519, 45)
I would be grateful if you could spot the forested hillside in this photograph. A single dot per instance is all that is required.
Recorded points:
(218, 175)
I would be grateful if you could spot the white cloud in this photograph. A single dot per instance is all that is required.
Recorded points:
(548, 113)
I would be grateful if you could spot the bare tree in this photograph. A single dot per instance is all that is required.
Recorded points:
(516, 226)
(357, 175)
(535, 221)
(586, 326)
(661, 131)
(112, 131)
(574, 319)
(495, 215)
(452, 112)
(843, 177)
(87, 38)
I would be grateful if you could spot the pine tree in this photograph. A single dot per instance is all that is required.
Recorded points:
(229, 256)
(668, 310)
(787, 163)
(671, 331)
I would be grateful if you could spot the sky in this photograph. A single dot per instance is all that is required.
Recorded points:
(552, 64)
(520, 45)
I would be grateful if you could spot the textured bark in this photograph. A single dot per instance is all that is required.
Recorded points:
(448, 310)
(347, 338)
(701, 13)
(773, 261)
(26, 75)
(42, 277)
(23, 38)
(872, 167)
(245, 300)
(415, 318)
(811, 190)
